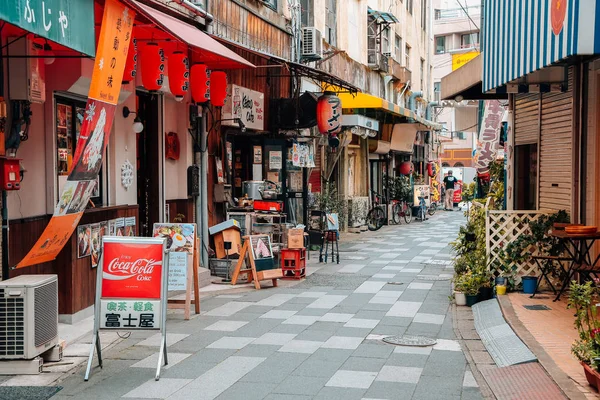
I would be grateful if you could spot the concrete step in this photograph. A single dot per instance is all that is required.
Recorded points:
(204, 277)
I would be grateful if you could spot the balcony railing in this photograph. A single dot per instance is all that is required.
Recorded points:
(456, 13)
(399, 72)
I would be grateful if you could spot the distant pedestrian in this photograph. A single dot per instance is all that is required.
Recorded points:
(449, 182)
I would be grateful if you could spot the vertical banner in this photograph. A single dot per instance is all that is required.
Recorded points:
(509, 152)
(489, 136)
(111, 55)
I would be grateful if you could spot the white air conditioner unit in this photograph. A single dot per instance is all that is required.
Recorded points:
(26, 71)
(312, 43)
(28, 316)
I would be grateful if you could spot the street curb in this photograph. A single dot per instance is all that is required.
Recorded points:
(558, 376)
(486, 392)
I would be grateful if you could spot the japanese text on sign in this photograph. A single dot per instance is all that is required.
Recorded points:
(489, 136)
(129, 314)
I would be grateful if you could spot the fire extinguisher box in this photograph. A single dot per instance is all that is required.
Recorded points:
(10, 178)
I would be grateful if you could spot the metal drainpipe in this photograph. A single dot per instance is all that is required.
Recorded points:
(196, 10)
(411, 100)
(429, 107)
(204, 188)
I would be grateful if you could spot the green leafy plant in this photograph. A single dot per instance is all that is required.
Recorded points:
(583, 299)
(330, 201)
(399, 187)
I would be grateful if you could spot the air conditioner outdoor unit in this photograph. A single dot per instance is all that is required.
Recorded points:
(312, 43)
(28, 316)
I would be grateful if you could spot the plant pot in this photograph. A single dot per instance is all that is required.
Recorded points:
(460, 298)
(485, 293)
(471, 299)
(592, 376)
(529, 284)
(470, 237)
(501, 280)
(500, 290)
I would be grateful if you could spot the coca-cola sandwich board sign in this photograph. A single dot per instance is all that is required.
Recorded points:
(131, 290)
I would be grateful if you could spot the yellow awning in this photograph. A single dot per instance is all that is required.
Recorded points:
(368, 101)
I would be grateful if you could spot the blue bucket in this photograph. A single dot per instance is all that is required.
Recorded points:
(529, 284)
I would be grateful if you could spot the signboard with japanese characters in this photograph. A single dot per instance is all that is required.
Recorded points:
(489, 136)
(245, 104)
(131, 289)
(67, 22)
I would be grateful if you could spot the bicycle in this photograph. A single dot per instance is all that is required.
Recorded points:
(432, 208)
(422, 212)
(401, 209)
(376, 216)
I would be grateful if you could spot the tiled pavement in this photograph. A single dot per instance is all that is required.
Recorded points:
(320, 339)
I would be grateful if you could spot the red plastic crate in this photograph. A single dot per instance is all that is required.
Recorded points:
(266, 205)
(294, 261)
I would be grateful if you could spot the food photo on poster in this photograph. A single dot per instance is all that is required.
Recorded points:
(180, 237)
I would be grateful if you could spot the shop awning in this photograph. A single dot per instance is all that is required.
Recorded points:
(367, 101)
(466, 84)
(403, 137)
(210, 52)
(321, 76)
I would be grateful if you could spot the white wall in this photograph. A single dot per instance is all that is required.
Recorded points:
(176, 120)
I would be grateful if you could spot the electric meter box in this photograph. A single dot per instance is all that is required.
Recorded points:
(10, 176)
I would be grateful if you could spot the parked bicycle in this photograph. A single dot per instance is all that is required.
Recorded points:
(401, 209)
(377, 215)
(433, 206)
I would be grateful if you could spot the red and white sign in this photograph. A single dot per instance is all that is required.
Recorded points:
(132, 270)
(487, 145)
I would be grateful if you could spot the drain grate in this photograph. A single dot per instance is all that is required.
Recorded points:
(432, 278)
(537, 307)
(412, 341)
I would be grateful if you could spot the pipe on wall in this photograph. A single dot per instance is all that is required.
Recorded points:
(412, 98)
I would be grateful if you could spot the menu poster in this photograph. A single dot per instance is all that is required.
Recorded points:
(95, 244)
(130, 226)
(84, 236)
(257, 155)
(120, 227)
(275, 160)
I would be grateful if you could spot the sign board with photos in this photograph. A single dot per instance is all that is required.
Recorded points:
(257, 256)
(131, 290)
(183, 262)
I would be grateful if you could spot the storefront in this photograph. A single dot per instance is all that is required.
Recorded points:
(142, 179)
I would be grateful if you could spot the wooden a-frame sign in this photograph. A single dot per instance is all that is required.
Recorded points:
(250, 266)
(192, 285)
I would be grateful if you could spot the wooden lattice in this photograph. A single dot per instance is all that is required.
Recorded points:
(502, 227)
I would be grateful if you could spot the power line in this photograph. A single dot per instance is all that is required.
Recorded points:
(466, 12)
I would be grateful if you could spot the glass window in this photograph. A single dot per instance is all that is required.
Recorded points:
(407, 57)
(398, 49)
(422, 73)
(307, 7)
(385, 41)
(69, 120)
(331, 22)
(409, 6)
(437, 90)
(271, 3)
(440, 44)
(469, 40)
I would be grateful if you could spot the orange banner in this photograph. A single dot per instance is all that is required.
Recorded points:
(111, 55)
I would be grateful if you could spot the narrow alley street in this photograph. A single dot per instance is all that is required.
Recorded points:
(320, 339)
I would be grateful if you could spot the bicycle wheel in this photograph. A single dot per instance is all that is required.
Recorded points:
(422, 213)
(396, 213)
(375, 219)
(408, 214)
(432, 208)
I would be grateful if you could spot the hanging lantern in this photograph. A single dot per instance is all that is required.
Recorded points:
(131, 63)
(200, 83)
(431, 169)
(179, 74)
(329, 114)
(152, 63)
(218, 88)
(407, 168)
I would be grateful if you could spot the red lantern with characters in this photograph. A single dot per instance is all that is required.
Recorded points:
(131, 63)
(179, 74)
(329, 114)
(407, 168)
(218, 88)
(152, 64)
(200, 83)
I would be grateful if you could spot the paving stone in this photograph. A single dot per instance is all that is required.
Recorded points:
(158, 390)
(275, 369)
(390, 390)
(373, 350)
(352, 379)
(425, 318)
(229, 342)
(278, 314)
(399, 374)
(436, 387)
(336, 393)
(314, 335)
(226, 326)
(342, 342)
(247, 391)
(361, 323)
(317, 367)
(300, 346)
(363, 364)
(407, 309)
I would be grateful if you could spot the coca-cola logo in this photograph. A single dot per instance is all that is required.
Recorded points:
(124, 267)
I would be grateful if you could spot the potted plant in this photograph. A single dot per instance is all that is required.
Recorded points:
(471, 285)
(459, 292)
(583, 298)
(486, 290)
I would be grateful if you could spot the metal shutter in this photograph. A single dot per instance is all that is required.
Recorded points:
(315, 175)
(556, 149)
(527, 118)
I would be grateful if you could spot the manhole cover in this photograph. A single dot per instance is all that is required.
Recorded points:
(432, 278)
(414, 341)
(537, 307)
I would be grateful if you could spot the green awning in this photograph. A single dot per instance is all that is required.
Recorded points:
(382, 17)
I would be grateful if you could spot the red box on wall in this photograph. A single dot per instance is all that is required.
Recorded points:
(268, 205)
(10, 175)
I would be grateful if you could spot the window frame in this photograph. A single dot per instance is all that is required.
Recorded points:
(409, 6)
(473, 40)
(398, 48)
(407, 49)
(443, 45)
(74, 104)
(307, 14)
(331, 31)
(272, 4)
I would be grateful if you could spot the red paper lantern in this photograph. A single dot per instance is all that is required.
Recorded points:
(407, 168)
(152, 63)
(329, 114)
(131, 63)
(200, 84)
(431, 169)
(218, 88)
(179, 74)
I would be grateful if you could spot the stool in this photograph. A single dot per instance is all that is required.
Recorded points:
(294, 261)
(330, 237)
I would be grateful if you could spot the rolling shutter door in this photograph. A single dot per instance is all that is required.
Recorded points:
(315, 175)
(556, 149)
(527, 118)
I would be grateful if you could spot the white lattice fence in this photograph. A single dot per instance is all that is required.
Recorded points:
(502, 227)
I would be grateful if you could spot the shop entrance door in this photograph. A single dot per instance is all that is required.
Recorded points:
(148, 160)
